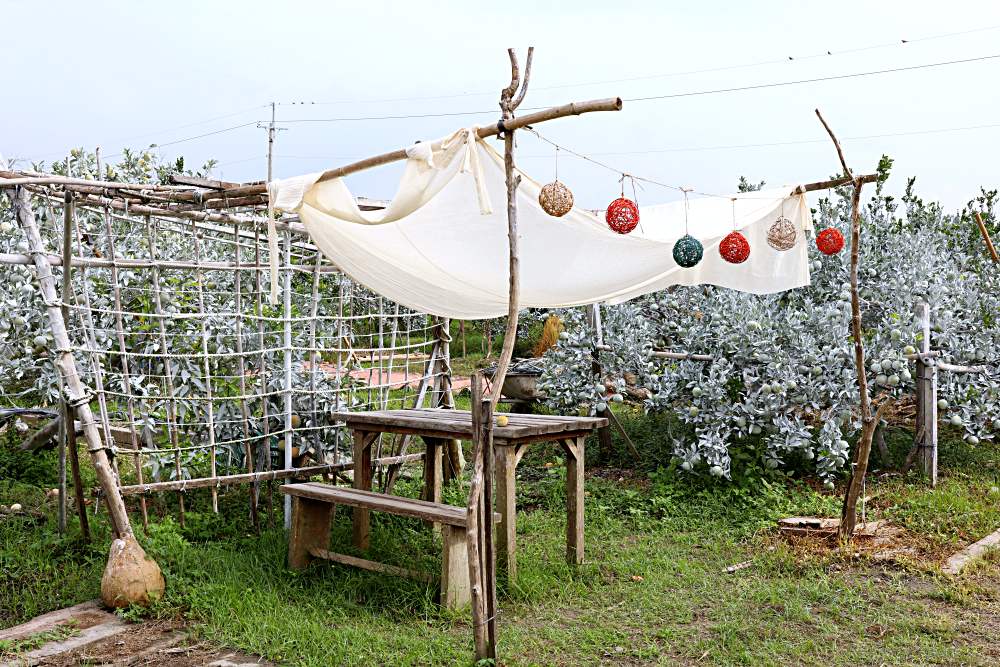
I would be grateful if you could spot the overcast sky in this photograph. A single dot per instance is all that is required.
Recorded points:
(116, 74)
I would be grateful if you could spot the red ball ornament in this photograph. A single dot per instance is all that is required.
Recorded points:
(622, 215)
(830, 241)
(734, 248)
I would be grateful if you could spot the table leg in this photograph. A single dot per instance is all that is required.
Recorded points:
(433, 469)
(362, 480)
(433, 473)
(505, 458)
(574, 500)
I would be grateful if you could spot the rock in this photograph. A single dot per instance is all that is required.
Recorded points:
(130, 577)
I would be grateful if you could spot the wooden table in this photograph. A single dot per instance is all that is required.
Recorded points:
(436, 426)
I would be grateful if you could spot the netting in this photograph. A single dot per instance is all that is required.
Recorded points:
(196, 375)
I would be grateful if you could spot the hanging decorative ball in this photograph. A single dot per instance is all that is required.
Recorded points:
(622, 215)
(830, 241)
(555, 199)
(734, 248)
(688, 251)
(781, 234)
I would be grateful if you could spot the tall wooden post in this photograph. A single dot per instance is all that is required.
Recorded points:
(603, 433)
(927, 410)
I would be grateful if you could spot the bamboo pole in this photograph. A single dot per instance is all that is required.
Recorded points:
(229, 480)
(286, 314)
(986, 237)
(168, 373)
(123, 353)
(242, 372)
(74, 389)
(66, 435)
(206, 366)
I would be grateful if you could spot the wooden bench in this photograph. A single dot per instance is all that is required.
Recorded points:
(313, 508)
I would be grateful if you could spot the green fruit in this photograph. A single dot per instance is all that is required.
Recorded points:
(956, 420)
(686, 465)
(942, 404)
(693, 411)
(828, 485)
(909, 349)
(716, 471)
(697, 392)
(972, 440)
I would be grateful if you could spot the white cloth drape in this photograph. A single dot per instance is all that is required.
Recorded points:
(441, 248)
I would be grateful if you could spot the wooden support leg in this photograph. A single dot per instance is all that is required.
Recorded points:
(456, 592)
(310, 529)
(506, 504)
(433, 473)
(362, 480)
(574, 500)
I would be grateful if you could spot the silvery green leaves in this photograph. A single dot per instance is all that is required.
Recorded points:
(783, 371)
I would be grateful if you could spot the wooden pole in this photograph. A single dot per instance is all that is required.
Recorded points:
(481, 416)
(510, 98)
(869, 422)
(76, 393)
(927, 410)
(986, 237)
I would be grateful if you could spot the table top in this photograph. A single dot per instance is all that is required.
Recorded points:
(458, 423)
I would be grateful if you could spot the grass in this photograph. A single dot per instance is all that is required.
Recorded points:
(653, 591)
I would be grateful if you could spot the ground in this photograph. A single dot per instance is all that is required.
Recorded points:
(654, 590)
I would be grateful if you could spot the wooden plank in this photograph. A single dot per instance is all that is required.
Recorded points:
(310, 529)
(372, 565)
(959, 561)
(459, 422)
(379, 502)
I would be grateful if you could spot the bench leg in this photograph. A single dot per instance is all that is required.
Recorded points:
(505, 463)
(310, 529)
(574, 500)
(456, 591)
(362, 480)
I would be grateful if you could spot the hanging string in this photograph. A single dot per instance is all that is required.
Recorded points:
(734, 213)
(642, 179)
(557, 163)
(685, 191)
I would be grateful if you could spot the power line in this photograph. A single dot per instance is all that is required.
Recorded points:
(665, 75)
(715, 91)
(813, 80)
(862, 137)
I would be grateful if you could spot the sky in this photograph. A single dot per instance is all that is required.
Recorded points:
(131, 74)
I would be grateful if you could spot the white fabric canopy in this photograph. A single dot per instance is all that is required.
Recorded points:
(441, 246)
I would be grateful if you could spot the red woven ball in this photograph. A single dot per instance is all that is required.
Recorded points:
(622, 215)
(734, 248)
(830, 241)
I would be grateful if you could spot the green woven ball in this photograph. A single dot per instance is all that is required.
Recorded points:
(688, 251)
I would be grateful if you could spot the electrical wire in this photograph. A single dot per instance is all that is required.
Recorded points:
(647, 77)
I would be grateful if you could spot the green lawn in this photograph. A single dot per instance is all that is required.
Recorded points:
(653, 591)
